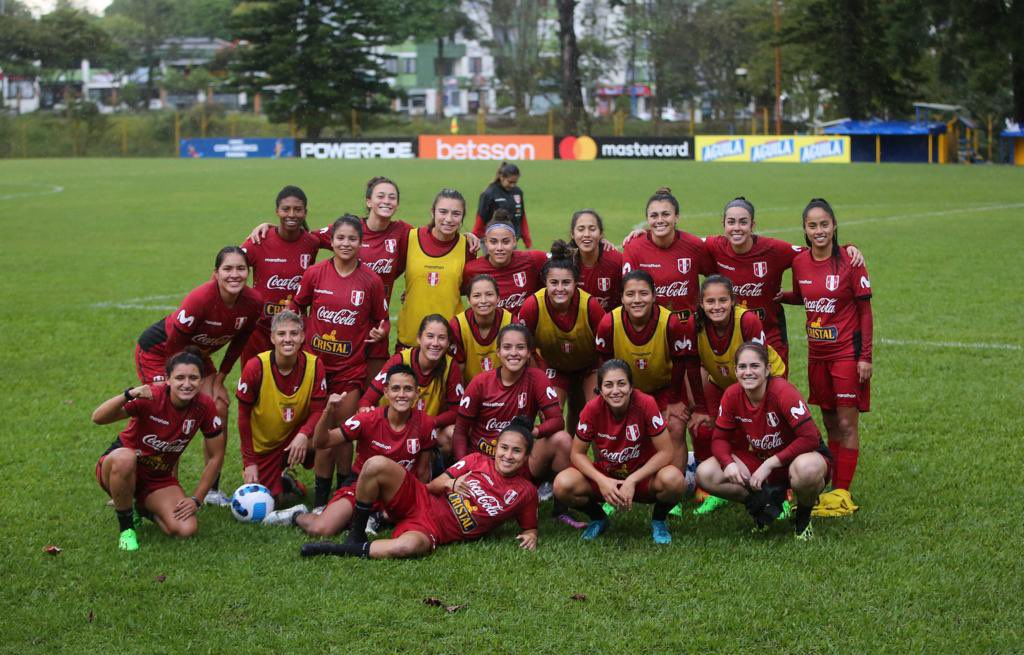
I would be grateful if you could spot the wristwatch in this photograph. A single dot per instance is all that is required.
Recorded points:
(128, 394)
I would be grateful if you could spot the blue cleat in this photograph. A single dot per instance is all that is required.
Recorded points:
(595, 529)
(660, 533)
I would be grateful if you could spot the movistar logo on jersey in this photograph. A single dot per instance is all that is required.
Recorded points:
(772, 149)
(822, 149)
(724, 148)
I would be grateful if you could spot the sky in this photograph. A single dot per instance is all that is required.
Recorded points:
(43, 6)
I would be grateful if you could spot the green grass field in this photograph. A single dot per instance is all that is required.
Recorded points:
(95, 250)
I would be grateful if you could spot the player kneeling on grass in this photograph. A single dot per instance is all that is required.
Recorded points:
(632, 456)
(765, 442)
(473, 497)
(281, 396)
(398, 431)
(140, 465)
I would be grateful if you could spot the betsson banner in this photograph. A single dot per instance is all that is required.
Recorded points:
(486, 148)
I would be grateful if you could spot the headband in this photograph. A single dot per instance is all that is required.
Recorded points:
(503, 226)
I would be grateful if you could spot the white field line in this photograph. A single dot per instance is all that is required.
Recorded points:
(144, 303)
(961, 345)
(29, 194)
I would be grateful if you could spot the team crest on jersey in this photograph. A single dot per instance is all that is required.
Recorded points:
(288, 414)
(412, 445)
(239, 322)
(633, 432)
(773, 419)
(391, 245)
(433, 278)
(305, 260)
(604, 283)
(760, 269)
(518, 198)
(510, 496)
(683, 264)
(724, 370)
(421, 405)
(831, 282)
(522, 400)
(358, 297)
(641, 363)
(519, 278)
(567, 347)
(486, 364)
(187, 426)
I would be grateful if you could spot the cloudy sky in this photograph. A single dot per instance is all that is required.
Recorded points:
(43, 6)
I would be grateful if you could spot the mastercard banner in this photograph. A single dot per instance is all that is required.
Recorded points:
(586, 147)
(483, 147)
(792, 149)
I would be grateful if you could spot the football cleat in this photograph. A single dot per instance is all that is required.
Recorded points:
(710, 504)
(660, 533)
(128, 540)
(545, 492)
(284, 516)
(594, 529)
(802, 524)
(608, 508)
(570, 521)
(292, 485)
(217, 498)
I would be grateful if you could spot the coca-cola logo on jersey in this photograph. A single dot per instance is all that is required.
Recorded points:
(622, 456)
(156, 443)
(770, 441)
(337, 317)
(512, 300)
(489, 503)
(211, 342)
(674, 290)
(494, 425)
(821, 305)
(284, 283)
(749, 290)
(382, 266)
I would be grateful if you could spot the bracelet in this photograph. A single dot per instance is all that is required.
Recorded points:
(196, 501)
(128, 397)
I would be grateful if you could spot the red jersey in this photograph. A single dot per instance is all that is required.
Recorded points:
(621, 445)
(836, 325)
(342, 310)
(374, 435)
(780, 425)
(492, 500)
(603, 280)
(675, 269)
(382, 251)
(516, 280)
(488, 406)
(277, 267)
(204, 321)
(159, 432)
(756, 277)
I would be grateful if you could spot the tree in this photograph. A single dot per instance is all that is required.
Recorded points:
(572, 92)
(315, 57)
(66, 37)
(141, 26)
(515, 44)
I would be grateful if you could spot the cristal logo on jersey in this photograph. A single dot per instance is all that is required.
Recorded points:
(683, 264)
(522, 400)
(633, 432)
(412, 445)
(463, 510)
(818, 332)
(760, 269)
(391, 245)
(604, 283)
(357, 297)
(773, 419)
(328, 343)
(519, 278)
(305, 260)
(187, 426)
(831, 282)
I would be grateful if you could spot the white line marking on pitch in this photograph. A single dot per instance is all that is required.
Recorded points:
(140, 303)
(52, 190)
(952, 344)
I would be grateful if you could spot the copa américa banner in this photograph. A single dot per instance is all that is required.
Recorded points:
(793, 149)
(244, 148)
(480, 147)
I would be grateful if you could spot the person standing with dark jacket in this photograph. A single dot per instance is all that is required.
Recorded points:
(504, 193)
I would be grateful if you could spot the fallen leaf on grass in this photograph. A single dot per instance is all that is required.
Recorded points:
(68, 401)
(160, 578)
(91, 616)
(578, 597)
(432, 602)
(52, 550)
(452, 609)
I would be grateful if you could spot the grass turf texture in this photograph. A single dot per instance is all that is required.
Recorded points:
(931, 562)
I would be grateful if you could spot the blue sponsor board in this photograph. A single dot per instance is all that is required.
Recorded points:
(246, 148)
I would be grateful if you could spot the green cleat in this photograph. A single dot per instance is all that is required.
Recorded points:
(802, 524)
(676, 511)
(710, 504)
(787, 511)
(128, 540)
(608, 508)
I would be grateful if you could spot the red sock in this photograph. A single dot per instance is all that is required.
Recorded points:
(845, 460)
(701, 442)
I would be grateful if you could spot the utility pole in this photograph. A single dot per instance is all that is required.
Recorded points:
(777, 15)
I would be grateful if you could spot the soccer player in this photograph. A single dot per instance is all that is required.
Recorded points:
(765, 442)
(398, 431)
(504, 193)
(516, 272)
(141, 464)
(659, 349)
(837, 297)
(437, 255)
(347, 311)
(671, 257)
(438, 378)
(278, 258)
(475, 331)
(281, 395)
(632, 456)
(600, 265)
(473, 497)
(223, 311)
(722, 327)
(563, 321)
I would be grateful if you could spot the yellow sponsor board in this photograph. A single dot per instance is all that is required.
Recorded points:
(791, 149)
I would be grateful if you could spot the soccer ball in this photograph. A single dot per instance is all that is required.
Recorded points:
(691, 475)
(251, 503)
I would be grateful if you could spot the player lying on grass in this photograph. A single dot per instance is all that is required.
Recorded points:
(632, 456)
(764, 443)
(140, 465)
(470, 499)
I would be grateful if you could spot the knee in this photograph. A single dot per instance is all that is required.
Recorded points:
(565, 483)
(847, 425)
(561, 442)
(374, 465)
(184, 529)
(806, 470)
(708, 472)
(122, 462)
(671, 479)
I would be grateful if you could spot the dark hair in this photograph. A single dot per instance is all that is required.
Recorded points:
(451, 194)
(523, 426)
(821, 203)
(614, 365)
(483, 277)
(350, 220)
(380, 179)
(521, 329)
(189, 356)
(577, 214)
(698, 313)
(760, 349)
(506, 169)
(639, 274)
(292, 191)
(399, 369)
(228, 250)
(739, 201)
(662, 194)
(434, 318)
(563, 255)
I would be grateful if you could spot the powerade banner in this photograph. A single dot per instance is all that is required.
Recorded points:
(793, 149)
(529, 147)
(358, 149)
(236, 148)
(618, 147)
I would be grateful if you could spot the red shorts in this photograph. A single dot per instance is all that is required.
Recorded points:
(271, 465)
(348, 492)
(835, 384)
(661, 396)
(146, 481)
(346, 381)
(259, 341)
(642, 493)
(568, 380)
(410, 508)
(780, 476)
(152, 367)
(378, 350)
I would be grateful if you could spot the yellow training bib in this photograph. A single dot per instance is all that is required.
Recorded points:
(431, 398)
(721, 367)
(565, 351)
(650, 361)
(276, 415)
(480, 357)
(432, 286)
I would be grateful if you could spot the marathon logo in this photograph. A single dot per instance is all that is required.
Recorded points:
(724, 148)
(463, 511)
(821, 150)
(327, 344)
(358, 149)
(772, 149)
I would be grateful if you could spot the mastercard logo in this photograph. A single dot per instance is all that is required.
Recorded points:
(582, 148)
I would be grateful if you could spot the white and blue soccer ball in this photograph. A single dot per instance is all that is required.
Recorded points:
(251, 503)
(691, 475)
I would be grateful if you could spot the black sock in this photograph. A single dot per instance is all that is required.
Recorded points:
(330, 548)
(216, 483)
(321, 491)
(558, 508)
(801, 517)
(594, 510)
(661, 510)
(124, 519)
(437, 465)
(357, 529)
